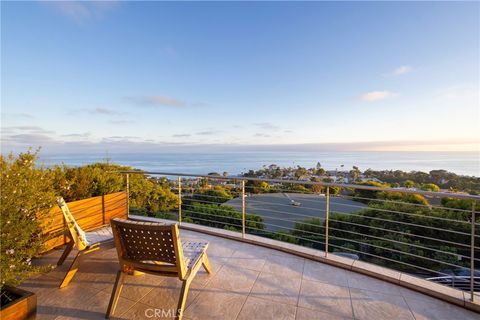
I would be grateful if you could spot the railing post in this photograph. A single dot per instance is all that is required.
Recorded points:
(128, 194)
(327, 213)
(179, 200)
(472, 255)
(243, 209)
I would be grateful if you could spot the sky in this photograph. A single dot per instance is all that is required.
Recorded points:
(149, 76)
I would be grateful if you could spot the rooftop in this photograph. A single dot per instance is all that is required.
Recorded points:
(248, 282)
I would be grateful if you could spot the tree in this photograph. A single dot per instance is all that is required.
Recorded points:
(316, 187)
(216, 195)
(334, 190)
(300, 172)
(430, 187)
(365, 196)
(203, 183)
(355, 173)
(255, 186)
(409, 184)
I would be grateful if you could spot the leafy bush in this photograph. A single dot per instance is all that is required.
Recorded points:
(254, 186)
(403, 197)
(27, 195)
(463, 204)
(74, 183)
(218, 195)
(285, 236)
(221, 216)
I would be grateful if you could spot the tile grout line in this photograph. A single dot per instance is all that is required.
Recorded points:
(198, 295)
(300, 290)
(351, 303)
(248, 295)
(350, 295)
(408, 305)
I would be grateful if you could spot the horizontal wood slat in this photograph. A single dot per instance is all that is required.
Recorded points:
(90, 214)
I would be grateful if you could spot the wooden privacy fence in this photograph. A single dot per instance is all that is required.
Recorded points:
(89, 213)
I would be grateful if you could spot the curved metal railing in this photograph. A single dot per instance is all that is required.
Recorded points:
(428, 240)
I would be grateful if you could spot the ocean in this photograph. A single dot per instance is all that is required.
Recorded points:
(462, 163)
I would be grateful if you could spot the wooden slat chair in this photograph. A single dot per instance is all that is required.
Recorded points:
(85, 242)
(155, 248)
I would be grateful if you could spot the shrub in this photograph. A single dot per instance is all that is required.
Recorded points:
(220, 216)
(216, 195)
(27, 195)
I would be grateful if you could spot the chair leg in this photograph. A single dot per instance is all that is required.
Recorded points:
(183, 299)
(206, 263)
(65, 253)
(117, 289)
(71, 271)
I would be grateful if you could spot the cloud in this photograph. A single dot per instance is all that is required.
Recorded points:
(30, 139)
(82, 11)
(266, 126)
(207, 132)
(18, 115)
(460, 92)
(77, 135)
(121, 122)
(377, 95)
(155, 101)
(402, 70)
(106, 111)
(30, 129)
(132, 144)
(100, 111)
(185, 135)
(262, 135)
(121, 138)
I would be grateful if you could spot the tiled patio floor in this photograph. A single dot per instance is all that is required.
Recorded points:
(248, 282)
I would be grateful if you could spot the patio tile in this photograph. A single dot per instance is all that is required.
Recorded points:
(281, 265)
(143, 311)
(166, 295)
(217, 304)
(73, 296)
(99, 281)
(250, 259)
(308, 314)
(424, 307)
(248, 282)
(360, 281)
(234, 279)
(377, 305)
(255, 308)
(280, 288)
(326, 298)
(96, 307)
(136, 287)
(40, 284)
(448, 293)
(316, 271)
(219, 252)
